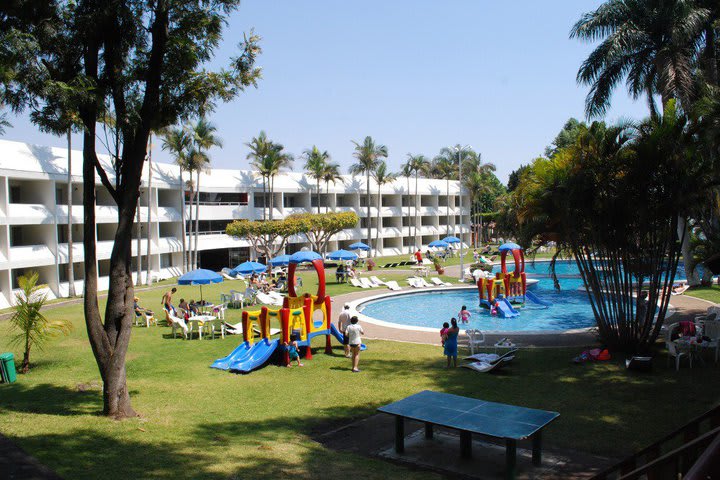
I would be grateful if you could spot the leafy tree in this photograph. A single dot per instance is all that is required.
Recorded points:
(417, 164)
(34, 328)
(316, 163)
(565, 138)
(331, 174)
(382, 177)
(515, 176)
(268, 237)
(320, 228)
(368, 155)
(145, 63)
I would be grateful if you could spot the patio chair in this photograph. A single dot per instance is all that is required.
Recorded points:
(475, 339)
(393, 285)
(439, 283)
(219, 310)
(387, 265)
(248, 297)
(711, 330)
(374, 279)
(422, 282)
(267, 299)
(508, 356)
(366, 282)
(217, 325)
(412, 281)
(149, 318)
(673, 351)
(176, 323)
(356, 283)
(483, 367)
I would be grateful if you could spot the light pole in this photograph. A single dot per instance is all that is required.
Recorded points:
(462, 258)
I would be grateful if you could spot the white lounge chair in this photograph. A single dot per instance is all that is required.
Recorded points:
(422, 282)
(377, 281)
(356, 283)
(366, 282)
(393, 285)
(483, 367)
(276, 295)
(267, 299)
(439, 283)
(412, 281)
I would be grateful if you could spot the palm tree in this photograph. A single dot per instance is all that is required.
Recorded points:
(3, 123)
(177, 141)
(198, 162)
(331, 173)
(417, 164)
(315, 164)
(444, 166)
(368, 156)
(259, 149)
(277, 160)
(382, 177)
(34, 328)
(406, 171)
(652, 43)
(204, 138)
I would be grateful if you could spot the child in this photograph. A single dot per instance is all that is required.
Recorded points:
(293, 351)
(464, 314)
(354, 332)
(443, 333)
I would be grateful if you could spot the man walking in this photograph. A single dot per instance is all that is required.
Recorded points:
(342, 324)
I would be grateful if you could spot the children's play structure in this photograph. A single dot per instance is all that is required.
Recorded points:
(307, 316)
(507, 288)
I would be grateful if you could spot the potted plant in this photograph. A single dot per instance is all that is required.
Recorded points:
(438, 266)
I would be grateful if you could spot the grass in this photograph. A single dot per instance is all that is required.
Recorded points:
(711, 293)
(202, 423)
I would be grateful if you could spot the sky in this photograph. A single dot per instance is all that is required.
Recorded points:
(415, 75)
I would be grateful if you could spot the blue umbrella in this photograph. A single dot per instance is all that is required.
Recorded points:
(451, 239)
(200, 277)
(438, 243)
(509, 246)
(302, 257)
(342, 255)
(247, 268)
(359, 246)
(280, 261)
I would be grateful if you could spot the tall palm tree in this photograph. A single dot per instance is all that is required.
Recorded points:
(652, 43)
(331, 173)
(417, 164)
(204, 138)
(177, 141)
(315, 164)
(444, 166)
(382, 177)
(3, 123)
(259, 149)
(198, 162)
(406, 171)
(277, 160)
(368, 156)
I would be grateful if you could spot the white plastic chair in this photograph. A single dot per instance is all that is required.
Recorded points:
(673, 351)
(149, 318)
(219, 310)
(475, 339)
(176, 323)
(711, 329)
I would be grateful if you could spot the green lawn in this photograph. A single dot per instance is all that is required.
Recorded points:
(202, 423)
(711, 293)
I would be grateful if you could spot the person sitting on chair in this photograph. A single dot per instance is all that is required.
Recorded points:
(340, 273)
(138, 309)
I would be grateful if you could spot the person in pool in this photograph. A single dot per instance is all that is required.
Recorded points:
(451, 344)
(464, 314)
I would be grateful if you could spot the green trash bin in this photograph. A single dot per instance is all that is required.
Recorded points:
(8, 367)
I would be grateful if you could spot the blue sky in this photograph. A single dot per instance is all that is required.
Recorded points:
(415, 75)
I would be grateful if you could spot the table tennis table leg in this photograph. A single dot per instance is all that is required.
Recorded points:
(510, 458)
(537, 448)
(399, 434)
(465, 444)
(428, 430)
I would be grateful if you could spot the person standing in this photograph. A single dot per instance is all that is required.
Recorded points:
(451, 345)
(166, 301)
(342, 323)
(418, 257)
(354, 334)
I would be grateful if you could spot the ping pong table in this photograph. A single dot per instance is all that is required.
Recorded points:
(469, 415)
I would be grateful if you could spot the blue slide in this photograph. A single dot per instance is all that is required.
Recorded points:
(340, 337)
(505, 308)
(246, 358)
(537, 300)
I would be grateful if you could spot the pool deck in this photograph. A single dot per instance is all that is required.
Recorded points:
(684, 307)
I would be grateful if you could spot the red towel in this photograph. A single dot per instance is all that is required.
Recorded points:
(687, 328)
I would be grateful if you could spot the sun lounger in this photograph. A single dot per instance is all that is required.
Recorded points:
(267, 299)
(376, 281)
(387, 265)
(483, 367)
(439, 283)
(679, 289)
(356, 283)
(393, 265)
(493, 357)
(366, 282)
(393, 285)
(422, 282)
(413, 282)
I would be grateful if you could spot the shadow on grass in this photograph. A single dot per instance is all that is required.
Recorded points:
(52, 399)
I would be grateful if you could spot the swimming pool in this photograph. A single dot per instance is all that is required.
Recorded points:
(570, 307)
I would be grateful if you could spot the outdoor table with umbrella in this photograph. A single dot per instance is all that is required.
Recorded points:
(359, 246)
(248, 268)
(451, 240)
(200, 277)
(342, 255)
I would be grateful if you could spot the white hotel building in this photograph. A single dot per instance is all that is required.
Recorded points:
(33, 215)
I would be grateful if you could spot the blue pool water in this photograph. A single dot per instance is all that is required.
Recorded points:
(570, 310)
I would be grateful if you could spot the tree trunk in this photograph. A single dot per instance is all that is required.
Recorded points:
(197, 219)
(369, 218)
(25, 367)
(148, 278)
(693, 278)
(271, 184)
(408, 192)
(377, 226)
(448, 205)
(327, 194)
(265, 199)
(184, 226)
(318, 195)
(71, 273)
(109, 340)
(191, 239)
(417, 206)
